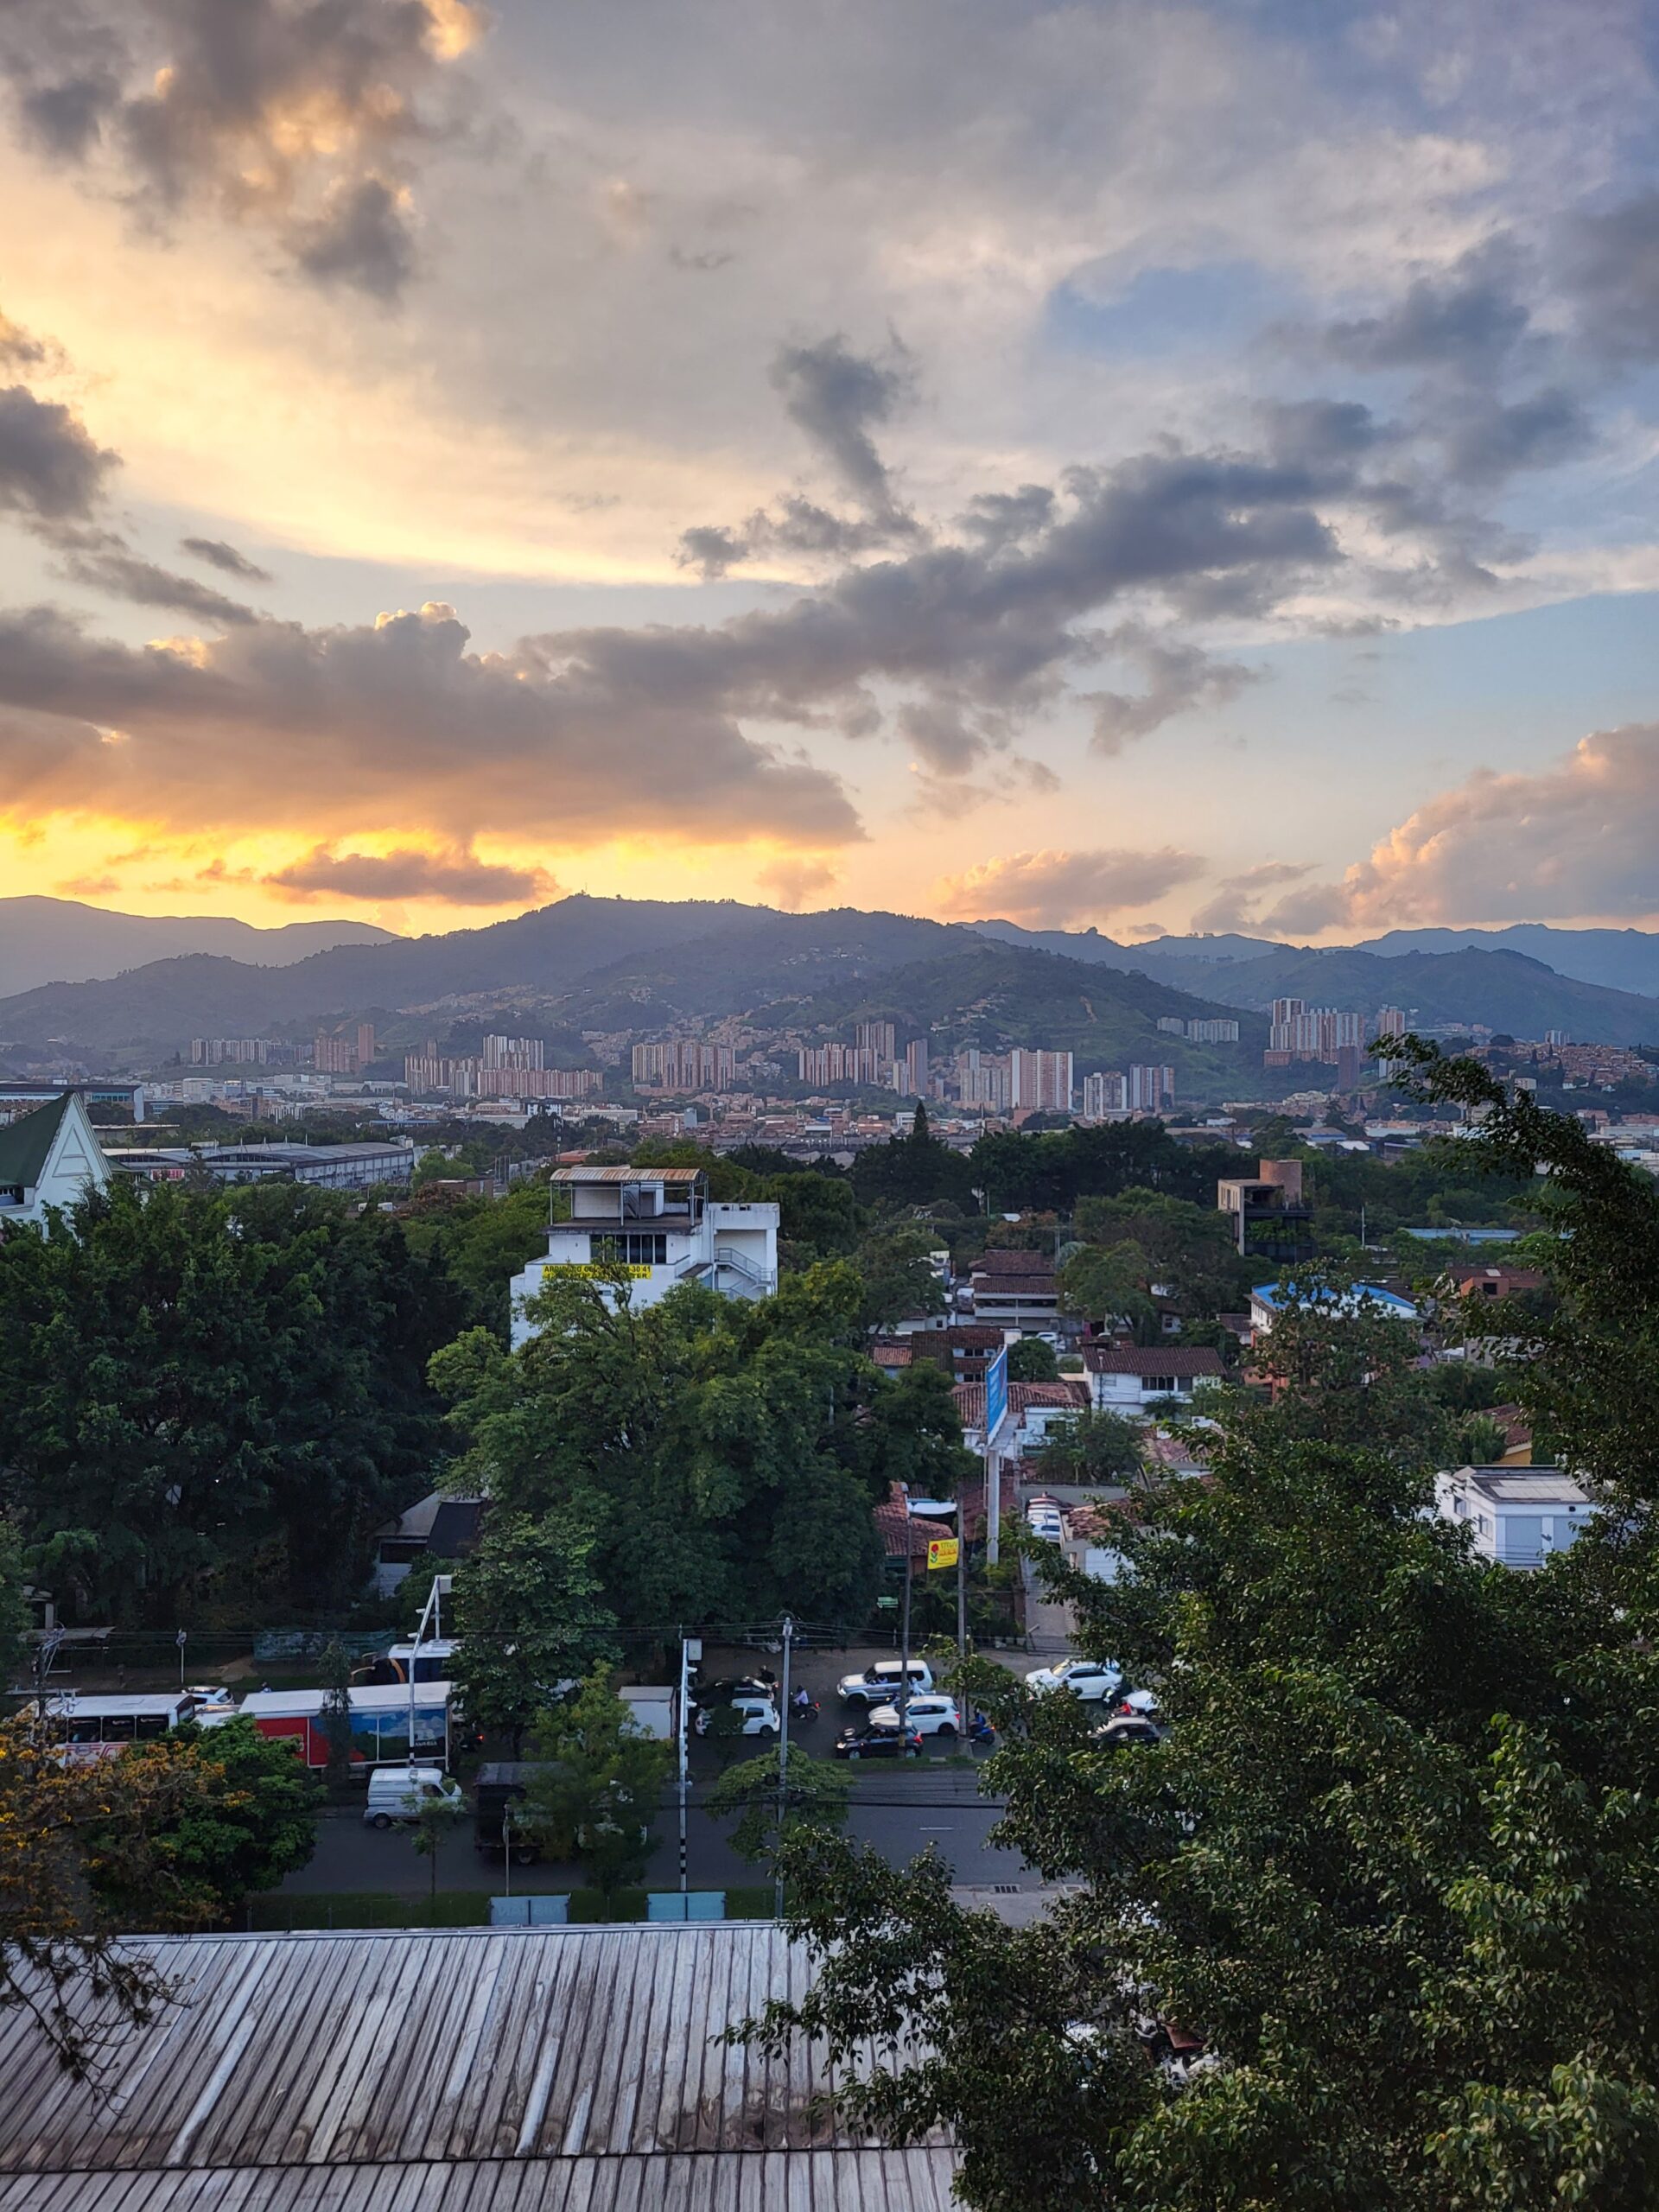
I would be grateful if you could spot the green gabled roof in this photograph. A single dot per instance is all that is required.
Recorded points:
(26, 1145)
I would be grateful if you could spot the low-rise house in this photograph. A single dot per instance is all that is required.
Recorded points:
(48, 1158)
(438, 1526)
(964, 1351)
(1519, 1516)
(1016, 1289)
(1497, 1282)
(661, 1227)
(1128, 1378)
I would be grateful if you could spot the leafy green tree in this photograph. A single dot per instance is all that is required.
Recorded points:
(1396, 1861)
(1110, 1283)
(528, 1615)
(211, 1816)
(188, 1379)
(1031, 1360)
(897, 1274)
(814, 1795)
(436, 1819)
(911, 1171)
(1096, 1446)
(594, 1791)
(1481, 1442)
(726, 1454)
(818, 1214)
(335, 1672)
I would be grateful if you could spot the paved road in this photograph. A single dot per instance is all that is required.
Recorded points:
(899, 1811)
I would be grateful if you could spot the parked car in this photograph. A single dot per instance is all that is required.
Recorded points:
(498, 1791)
(870, 1742)
(927, 1716)
(878, 1684)
(756, 1709)
(1084, 1678)
(1127, 1728)
(398, 1793)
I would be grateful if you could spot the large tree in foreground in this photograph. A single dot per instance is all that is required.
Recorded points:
(1398, 1862)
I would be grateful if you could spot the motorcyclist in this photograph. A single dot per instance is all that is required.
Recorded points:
(801, 1703)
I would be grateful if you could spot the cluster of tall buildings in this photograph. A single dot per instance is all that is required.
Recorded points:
(239, 1052)
(1141, 1090)
(344, 1054)
(1209, 1029)
(871, 1059)
(684, 1066)
(504, 1067)
(1020, 1081)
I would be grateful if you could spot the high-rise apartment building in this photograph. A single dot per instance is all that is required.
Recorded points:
(365, 1043)
(910, 1070)
(1171, 1024)
(1039, 1082)
(1313, 1032)
(334, 1056)
(984, 1079)
(1150, 1090)
(821, 1064)
(1213, 1030)
(684, 1066)
(876, 1037)
(1103, 1094)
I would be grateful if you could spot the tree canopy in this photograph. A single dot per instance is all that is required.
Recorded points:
(1396, 1867)
(213, 1391)
(725, 1455)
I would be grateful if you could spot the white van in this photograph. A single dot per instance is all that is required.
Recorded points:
(398, 1793)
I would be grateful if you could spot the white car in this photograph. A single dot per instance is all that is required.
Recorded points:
(877, 1684)
(759, 1715)
(927, 1716)
(1090, 1679)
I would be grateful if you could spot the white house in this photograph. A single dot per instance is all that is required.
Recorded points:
(1520, 1517)
(1126, 1379)
(661, 1225)
(49, 1158)
(1269, 1302)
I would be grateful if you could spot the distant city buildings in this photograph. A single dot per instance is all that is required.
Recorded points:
(1151, 1089)
(1218, 1029)
(1103, 1095)
(504, 1067)
(683, 1067)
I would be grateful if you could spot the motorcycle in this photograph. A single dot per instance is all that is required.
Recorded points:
(801, 1716)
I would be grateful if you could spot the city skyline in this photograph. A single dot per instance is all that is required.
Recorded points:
(1145, 465)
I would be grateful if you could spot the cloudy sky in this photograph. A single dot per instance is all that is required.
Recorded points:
(1132, 462)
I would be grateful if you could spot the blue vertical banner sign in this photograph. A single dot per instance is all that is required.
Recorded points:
(996, 1393)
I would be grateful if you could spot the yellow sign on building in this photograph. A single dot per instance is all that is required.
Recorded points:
(941, 1551)
(587, 1268)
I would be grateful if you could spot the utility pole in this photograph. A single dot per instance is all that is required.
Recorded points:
(691, 1651)
(962, 1576)
(904, 1668)
(783, 1763)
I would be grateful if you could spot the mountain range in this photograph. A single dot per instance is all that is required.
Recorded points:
(62, 941)
(608, 966)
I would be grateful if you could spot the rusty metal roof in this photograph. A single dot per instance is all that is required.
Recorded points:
(625, 1175)
(480, 2068)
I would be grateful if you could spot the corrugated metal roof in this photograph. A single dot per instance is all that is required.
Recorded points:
(548, 2058)
(625, 1175)
(729, 2181)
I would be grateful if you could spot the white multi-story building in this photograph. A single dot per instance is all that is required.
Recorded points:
(1517, 1516)
(660, 1224)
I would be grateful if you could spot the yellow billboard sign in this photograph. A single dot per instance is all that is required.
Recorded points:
(941, 1551)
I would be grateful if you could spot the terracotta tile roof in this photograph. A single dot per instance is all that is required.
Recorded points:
(898, 1354)
(1132, 1359)
(1000, 1260)
(891, 1519)
(970, 1398)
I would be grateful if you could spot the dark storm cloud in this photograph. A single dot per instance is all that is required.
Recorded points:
(1495, 441)
(1470, 315)
(1610, 271)
(1179, 676)
(121, 574)
(361, 240)
(225, 558)
(304, 118)
(836, 397)
(50, 469)
(393, 722)
(456, 876)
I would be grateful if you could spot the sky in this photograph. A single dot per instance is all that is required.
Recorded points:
(1139, 464)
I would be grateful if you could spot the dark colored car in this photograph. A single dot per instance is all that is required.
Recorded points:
(499, 1789)
(877, 1744)
(1126, 1728)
